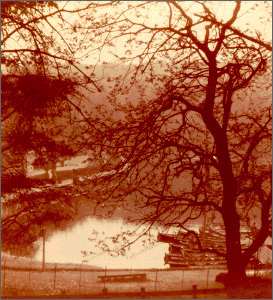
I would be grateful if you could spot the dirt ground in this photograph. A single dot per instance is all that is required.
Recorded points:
(159, 283)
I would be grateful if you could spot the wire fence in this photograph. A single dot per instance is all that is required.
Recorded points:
(57, 280)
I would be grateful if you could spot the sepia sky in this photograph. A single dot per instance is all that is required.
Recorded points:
(254, 16)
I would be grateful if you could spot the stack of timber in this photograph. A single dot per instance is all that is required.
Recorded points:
(206, 248)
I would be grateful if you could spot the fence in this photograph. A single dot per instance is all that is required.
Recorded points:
(84, 281)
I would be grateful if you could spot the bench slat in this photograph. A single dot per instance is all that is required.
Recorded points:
(123, 277)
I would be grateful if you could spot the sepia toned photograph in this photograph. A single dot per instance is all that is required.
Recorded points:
(136, 149)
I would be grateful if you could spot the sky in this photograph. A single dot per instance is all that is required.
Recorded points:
(253, 16)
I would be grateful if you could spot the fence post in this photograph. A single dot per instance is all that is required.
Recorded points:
(4, 276)
(43, 248)
(104, 281)
(208, 279)
(29, 273)
(194, 291)
(80, 278)
(104, 290)
(155, 279)
(182, 279)
(55, 274)
(29, 280)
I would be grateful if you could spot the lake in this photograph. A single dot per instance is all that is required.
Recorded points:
(67, 246)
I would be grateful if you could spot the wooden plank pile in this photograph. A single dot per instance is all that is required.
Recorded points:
(185, 251)
(199, 249)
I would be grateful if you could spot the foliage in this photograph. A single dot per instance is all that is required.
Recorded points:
(40, 83)
(41, 90)
(33, 40)
(27, 215)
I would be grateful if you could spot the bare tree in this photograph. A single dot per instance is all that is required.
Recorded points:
(201, 143)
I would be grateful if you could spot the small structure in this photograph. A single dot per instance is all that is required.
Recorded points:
(185, 251)
(198, 249)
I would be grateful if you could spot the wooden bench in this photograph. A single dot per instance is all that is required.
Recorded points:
(123, 277)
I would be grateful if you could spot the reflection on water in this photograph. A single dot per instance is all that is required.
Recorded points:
(66, 247)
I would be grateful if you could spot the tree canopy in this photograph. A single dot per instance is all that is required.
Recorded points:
(202, 141)
(42, 82)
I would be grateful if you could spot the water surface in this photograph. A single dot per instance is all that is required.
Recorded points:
(67, 246)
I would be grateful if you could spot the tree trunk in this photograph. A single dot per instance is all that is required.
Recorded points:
(236, 266)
